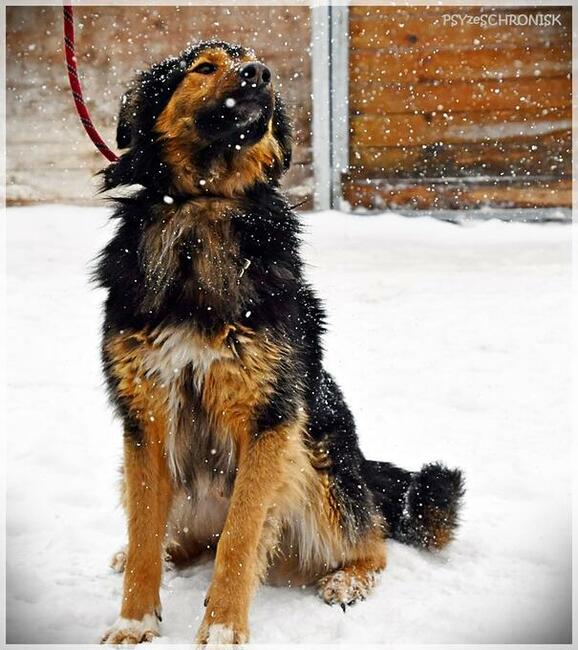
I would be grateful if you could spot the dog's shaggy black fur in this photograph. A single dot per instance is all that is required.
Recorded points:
(259, 286)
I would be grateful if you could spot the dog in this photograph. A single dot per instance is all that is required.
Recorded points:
(235, 437)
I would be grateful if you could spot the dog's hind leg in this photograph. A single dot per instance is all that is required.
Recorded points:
(356, 576)
(326, 545)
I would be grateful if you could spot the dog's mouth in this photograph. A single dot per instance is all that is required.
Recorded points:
(248, 99)
(238, 119)
(245, 110)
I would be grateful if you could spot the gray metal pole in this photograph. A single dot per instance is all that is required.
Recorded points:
(339, 96)
(330, 79)
(321, 125)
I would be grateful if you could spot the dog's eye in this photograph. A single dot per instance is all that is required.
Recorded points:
(205, 68)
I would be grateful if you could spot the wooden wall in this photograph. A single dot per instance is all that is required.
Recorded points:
(440, 116)
(49, 157)
(458, 116)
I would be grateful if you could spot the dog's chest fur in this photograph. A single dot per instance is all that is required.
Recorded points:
(192, 251)
(181, 361)
(195, 394)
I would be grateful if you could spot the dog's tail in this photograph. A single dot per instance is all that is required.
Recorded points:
(420, 508)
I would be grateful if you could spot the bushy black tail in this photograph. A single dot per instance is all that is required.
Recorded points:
(420, 508)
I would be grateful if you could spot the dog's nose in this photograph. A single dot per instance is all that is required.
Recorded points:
(255, 73)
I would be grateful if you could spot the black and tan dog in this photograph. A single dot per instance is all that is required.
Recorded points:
(235, 437)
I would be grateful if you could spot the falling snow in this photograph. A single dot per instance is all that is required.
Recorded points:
(450, 342)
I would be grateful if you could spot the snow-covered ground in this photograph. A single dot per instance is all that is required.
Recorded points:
(450, 342)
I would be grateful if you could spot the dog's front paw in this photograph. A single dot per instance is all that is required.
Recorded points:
(129, 631)
(226, 619)
(219, 634)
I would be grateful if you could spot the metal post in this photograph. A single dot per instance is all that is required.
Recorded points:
(321, 125)
(330, 79)
(339, 98)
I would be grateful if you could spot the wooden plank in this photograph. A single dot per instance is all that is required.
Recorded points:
(381, 66)
(462, 96)
(459, 112)
(398, 130)
(416, 29)
(534, 193)
(371, 12)
(401, 12)
(544, 155)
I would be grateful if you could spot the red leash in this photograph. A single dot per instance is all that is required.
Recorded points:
(74, 81)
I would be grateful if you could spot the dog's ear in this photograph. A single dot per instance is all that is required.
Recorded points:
(282, 130)
(126, 117)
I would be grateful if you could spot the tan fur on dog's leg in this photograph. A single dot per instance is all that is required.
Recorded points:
(147, 498)
(250, 532)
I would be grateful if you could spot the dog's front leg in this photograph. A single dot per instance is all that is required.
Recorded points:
(247, 536)
(147, 497)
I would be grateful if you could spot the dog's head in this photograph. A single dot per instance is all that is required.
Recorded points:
(207, 121)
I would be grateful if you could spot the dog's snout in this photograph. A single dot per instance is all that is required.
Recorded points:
(255, 73)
